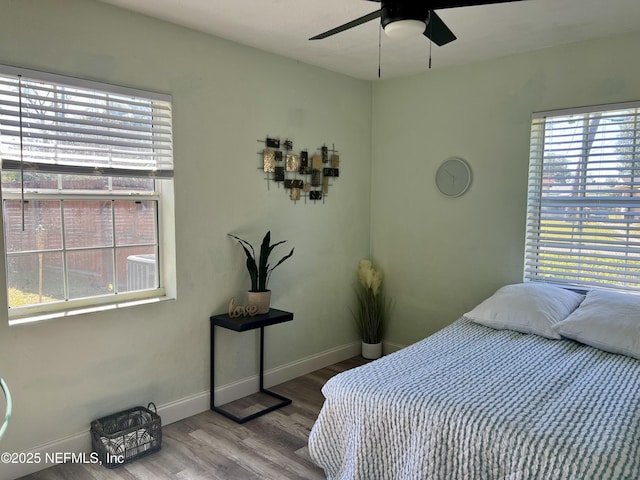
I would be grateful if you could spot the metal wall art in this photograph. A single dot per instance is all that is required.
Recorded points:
(304, 175)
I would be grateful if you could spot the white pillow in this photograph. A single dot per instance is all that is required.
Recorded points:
(606, 320)
(527, 308)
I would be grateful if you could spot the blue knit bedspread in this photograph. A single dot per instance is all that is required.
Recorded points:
(471, 402)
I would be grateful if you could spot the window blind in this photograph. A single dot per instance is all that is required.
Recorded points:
(583, 212)
(55, 124)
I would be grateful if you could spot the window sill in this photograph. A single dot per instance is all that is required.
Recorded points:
(29, 319)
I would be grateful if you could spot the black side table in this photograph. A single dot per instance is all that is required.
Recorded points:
(242, 324)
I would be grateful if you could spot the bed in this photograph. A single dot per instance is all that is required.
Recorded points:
(514, 400)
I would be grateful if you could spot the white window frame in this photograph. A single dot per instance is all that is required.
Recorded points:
(161, 173)
(583, 206)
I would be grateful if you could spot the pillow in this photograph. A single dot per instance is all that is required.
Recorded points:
(606, 320)
(527, 308)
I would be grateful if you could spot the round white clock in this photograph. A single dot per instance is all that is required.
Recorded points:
(453, 177)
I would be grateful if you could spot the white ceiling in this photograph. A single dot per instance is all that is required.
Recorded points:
(489, 31)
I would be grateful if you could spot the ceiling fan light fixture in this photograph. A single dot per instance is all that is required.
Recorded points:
(405, 28)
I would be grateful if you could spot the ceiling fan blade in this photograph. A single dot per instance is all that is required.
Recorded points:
(438, 4)
(437, 31)
(347, 26)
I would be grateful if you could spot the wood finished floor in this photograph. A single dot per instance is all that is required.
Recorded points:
(210, 446)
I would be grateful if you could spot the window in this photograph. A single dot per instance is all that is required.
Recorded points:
(86, 171)
(583, 217)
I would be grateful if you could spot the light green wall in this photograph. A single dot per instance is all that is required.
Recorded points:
(63, 373)
(443, 256)
(440, 256)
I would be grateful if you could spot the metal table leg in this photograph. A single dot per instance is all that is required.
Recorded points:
(283, 400)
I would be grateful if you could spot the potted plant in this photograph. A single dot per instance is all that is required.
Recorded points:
(373, 309)
(260, 270)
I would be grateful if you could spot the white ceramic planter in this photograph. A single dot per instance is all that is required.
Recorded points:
(371, 350)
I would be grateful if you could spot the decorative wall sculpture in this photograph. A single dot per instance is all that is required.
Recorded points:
(303, 175)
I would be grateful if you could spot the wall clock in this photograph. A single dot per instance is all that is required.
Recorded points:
(453, 177)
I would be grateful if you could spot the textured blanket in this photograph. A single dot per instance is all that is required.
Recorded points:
(470, 402)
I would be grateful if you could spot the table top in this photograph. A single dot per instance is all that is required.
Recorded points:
(242, 324)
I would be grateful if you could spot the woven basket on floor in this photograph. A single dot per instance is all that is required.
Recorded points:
(125, 436)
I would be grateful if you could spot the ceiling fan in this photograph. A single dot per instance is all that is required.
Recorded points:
(404, 18)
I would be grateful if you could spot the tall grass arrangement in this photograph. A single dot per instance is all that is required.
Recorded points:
(372, 312)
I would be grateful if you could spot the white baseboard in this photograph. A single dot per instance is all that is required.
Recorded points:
(198, 403)
(388, 347)
(184, 407)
